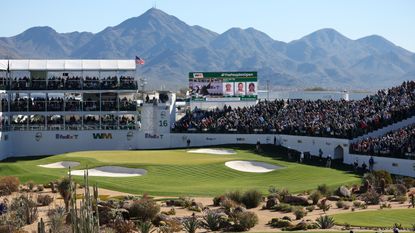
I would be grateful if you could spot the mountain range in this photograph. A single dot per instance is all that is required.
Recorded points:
(172, 49)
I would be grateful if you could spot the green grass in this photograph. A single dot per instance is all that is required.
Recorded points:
(176, 172)
(378, 218)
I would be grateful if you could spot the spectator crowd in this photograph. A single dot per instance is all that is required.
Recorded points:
(69, 83)
(324, 118)
(398, 143)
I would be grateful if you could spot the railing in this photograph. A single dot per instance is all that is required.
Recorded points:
(68, 84)
(25, 105)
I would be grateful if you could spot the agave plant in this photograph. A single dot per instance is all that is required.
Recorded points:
(190, 225)
(211, 221)
(145, 227)
(325, 222)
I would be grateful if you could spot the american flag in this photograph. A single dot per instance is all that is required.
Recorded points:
(139, 61)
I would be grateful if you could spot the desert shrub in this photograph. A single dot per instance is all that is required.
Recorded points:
(324, 206)
(340, 204)
(145, 227)
(279, 223)
(235, 196)
(44, 200)
(218, 200)
(170, 226)
(315, 196)
(325, 222)
(9, 184)
(299, 213)
(273, 190)
(283, 193)
(64, 188)
(57, 220)
(24, 210)
(385, 205)
(402, 190)
(324, 190)
(172, 211)
(184, 202)
(283, 207)
(229, 204)
(190, 225)
(211, 221)
(346, 205)
(30, 185)
(382, 174)
(40, 188)
(251, 198)
(243, 221)
(144, 209)
(194, 208)
(123, 226)
(371, 197)
(310, 208)
(409, 182)
(358, 204)
(391, 190)
(401, 199)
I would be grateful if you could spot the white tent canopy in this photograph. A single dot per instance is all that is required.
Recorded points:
(67, 65)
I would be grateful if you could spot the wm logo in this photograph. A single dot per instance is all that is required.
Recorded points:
(102, 135)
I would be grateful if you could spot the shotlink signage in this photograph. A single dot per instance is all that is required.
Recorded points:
(208, 86)
(102, 135)
(66, 136)
(153, 136)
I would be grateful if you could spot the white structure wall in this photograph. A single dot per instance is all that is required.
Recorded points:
(396, 166)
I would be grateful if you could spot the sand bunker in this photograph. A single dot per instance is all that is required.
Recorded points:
(213, 151)
(111, 171)
(251, 166)
(61, 164)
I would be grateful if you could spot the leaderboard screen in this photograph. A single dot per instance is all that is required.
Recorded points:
(211, 85)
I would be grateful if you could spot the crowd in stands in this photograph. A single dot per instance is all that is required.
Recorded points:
(74, 122)
(69, 83)
(324, 118)
(398, 143)
(40, 104)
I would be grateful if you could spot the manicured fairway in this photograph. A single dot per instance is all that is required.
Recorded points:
(176, 172)
(379, 218)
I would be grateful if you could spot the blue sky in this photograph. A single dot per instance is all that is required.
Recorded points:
(281, 19)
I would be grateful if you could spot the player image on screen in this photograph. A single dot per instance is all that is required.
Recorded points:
(228, 89)
(240, 88)
(251, 88)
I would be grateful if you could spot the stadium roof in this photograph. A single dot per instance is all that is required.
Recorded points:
(67, 65)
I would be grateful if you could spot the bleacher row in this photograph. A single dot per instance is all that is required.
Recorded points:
(69, 83)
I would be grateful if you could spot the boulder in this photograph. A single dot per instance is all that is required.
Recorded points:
(344, 191)
(271, 202)
(240, 209)
(333, 198)
(296, 200)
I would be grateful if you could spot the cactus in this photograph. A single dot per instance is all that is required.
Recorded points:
(41, 226)
(84, 220)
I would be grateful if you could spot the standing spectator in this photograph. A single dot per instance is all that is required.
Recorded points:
(328, 163)
(258, 144)
(320, 154)
(355, 165)
(371, 163)
(188, 142)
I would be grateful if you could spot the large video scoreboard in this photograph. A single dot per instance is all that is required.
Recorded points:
(211, 86)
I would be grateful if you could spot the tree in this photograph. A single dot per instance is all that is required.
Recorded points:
(64, 188)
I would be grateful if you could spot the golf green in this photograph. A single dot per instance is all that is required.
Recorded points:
(177, 172)
(378, 218)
